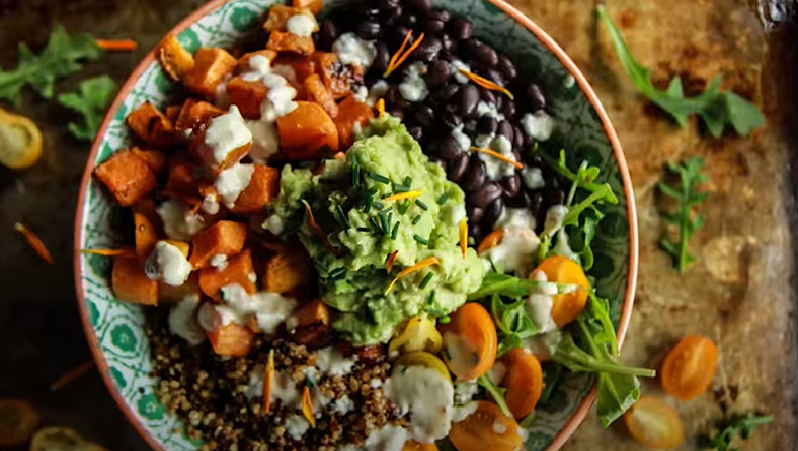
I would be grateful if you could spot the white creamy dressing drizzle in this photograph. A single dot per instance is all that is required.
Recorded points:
(488, 109)
(554, 218)
(462, 138)
(455, 67)
(283, 387)
(458, 351)
(330, 361)
(265, 142)
(183, 320)
(343, 405)
(499, 427)
(496, 168)
(351, 49)
(301, 25)
(533, 178)
(219, 261)
(270, 309)
(231, 182)
(540, 302)
(210, 204)
(461, 413)
(387, 438)
(427, 397)
(167, 263)
(226, 134)
(274, 224)
(543, 345)
(296, 426)
(516, 252)
(361, 94)
(539, 125)
(484, 141)
(497, 372)
(413, 88)
(464, 392)
(179, 223)
(377, 92)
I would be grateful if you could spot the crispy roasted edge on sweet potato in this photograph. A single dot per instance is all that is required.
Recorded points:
(168, 294)
(181, 180)
(211, 67)
(129, 281)
(313, 5)
(306, 130)
(172, 112)
(279, 15)
(351, 112)
(317, 91)
(195, 112)
(247, 96)
(174, 59)
(155, 159)
(283, 41)
(295, 69)
(243, 62)
(239, 271)
(224, 237)
(287, 271)
(233, 340)
(152, 126)
(127, 176)
(262, 188)
(338, 78)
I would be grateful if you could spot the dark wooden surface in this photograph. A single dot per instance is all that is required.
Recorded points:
(741, 292)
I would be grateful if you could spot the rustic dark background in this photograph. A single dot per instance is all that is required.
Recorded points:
(740, 293)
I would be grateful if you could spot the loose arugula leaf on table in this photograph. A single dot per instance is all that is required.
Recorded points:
(90, 101)
(723, 439)
(717, 109)
(64, 55)
(687, 196)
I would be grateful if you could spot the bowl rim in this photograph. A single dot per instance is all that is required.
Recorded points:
(548, 42)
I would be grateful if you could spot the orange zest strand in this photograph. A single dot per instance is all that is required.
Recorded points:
(307, 407)
(34, 242)
(485, 83)
(491, 241)
(116, 45)
(72, 375)
(108, 252)
(422, 264)
(391, 260)
(495, 154)
(406, 195)
(315, 227)
(268, 380)
(401, 55)
(463, 236)
(381, 107)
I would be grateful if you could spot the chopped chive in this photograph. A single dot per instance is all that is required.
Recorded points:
(397, 188)
(416, 219)
(386, 195)
(443, 199)
(379, 178)
(373, 190)
(386, 225)
(336, 273)
(378, 205)
(408, 181)
(355, 174)
(304, 164)
(386, 211)
(425, 280)
(395, 231)
(431, 297)
(344, 218)
(369, 204)
(321, 267)
(402, 209)
(376, 225)
(363, 229)
(445, 320)
(420, 240)
(422, 205)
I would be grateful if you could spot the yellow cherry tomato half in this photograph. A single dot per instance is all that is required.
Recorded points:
(470, 342)
(567, 306)
(654, 424)
(426, 360)
(419, 334)
(20, 141)
(689, 367)
(486, 429)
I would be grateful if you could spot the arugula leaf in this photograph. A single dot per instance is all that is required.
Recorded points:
(496, 392)
(580, 242)
(64, 55)
(510, 286)
(715, 108)
(687, 196)
(512, 318)
(91, 101)
(584, 177)
(742, 426)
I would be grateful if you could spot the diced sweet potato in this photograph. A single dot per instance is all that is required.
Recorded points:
(175, 60)
(295, 69)
(279, 15)
(318, 92)
(207, 153)
(168, 294)
(171, 113)
(182, 246)
(129, 281)
(338, 78)
(127, 176)
(233, 340)
(351, 112)
(260, 191)
(313, 313)
(146, 234)
(211, 67)
(306, 130)
(247, 96)
(283, 41)
(224, 237)
(156, 160)
(313, 6)
(243, 62)
(152, 126)
(315, 337)
(239, 271)
(287, 271)
(195, 112)
(181, 182)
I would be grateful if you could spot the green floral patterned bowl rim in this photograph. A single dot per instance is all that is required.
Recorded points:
(567, 71)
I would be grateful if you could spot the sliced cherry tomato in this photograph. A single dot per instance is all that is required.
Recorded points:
(566, 306)
(415, 446)
(419, 334)
(470, 342)
(18, 419)
(689, 367)
(426, 360)
(523, 381)
(654, 424)
(486, 429)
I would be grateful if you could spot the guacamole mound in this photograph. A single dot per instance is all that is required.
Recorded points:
(352, 265)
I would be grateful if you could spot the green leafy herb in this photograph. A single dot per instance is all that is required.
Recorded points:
(420, 240)
(716, 108)
(63, 56)
(496, 392)
(379, 178)
(422, 205)
(528, 421)
(91, 101)
(552, 375)
(512, 318)
(509, 286)
(740, 426)
(687, 196)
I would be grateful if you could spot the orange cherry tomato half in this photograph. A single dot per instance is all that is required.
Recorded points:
(486, 429)
(470, 342)
(654, 424)
(415, 446)
(18, 419)
(689, 367)
(523, 381)
(567, 306)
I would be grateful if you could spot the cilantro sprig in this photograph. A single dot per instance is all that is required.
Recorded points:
(63, 56)
(716, 108)
(723, 439)
(90, 101)
(687, 196)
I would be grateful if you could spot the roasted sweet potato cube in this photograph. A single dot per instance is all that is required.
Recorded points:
(239, 271)
(283, 41)
(311, 314)
(247, 96)
(287, 271)
(156, 160)
(146, 234)
(171, 113)
(280, 14)
(260, 191)
(338, 78)
(306, 131)
(295, 69)
(168, 294)
(313, 6)
(175, 60)
(195, 112)
(127, 176)
(152, 126)
(233, 340)
(129, 281)
(181, 181)
(244, 62)
(351, 112)
(318, 92)
(211, 67)
(207, 153)
(315, 337)
(224, 237)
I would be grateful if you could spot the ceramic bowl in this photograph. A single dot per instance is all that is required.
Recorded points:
(115, 330)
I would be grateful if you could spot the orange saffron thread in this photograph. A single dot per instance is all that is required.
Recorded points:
(307, 407)
(491, 241)
(315, 227)
(116, 45)
(420, 265)
(485, 83)
(396, 55)
(406, 195)
(72, 375)
(397, 60)
(391, 260)
(495, 154)
(108, 252)
(268, 379)
(381, 107)
(34, 242)
(463, 237)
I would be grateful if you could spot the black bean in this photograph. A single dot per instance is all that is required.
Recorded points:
(486, 95)
(441, 95)
(397, 113)
(422, 114)
(451, 119)
(493, 212)
(553, 194)
(395, 36)
(394, 99)
(450, 148)
(383, 4)
(475, 231)
(461, 28)
(474, 177)
(437, 73)
(507, 67)
(533, 160)
(371, 12)
(500, 101)
(409, 20)
(485, 195)
(517, 154)
(470, 126)
(440, 161)
(487, 55)
(466, 100)
(511, 185)
(416, 131)
(457, 168)
(538, 100)
(536, 206)
(328, 33)
(506, 129)
(529, 141)
(429, 49)
(495, 76)
(518, 138)
(487, 125)
(520, 200)
(368, 30)
(420, 5)
(440, 14)
(383, 57)
(449, 45)
(391, 14)
(508, 108)
(475, 214)
(433, 26)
